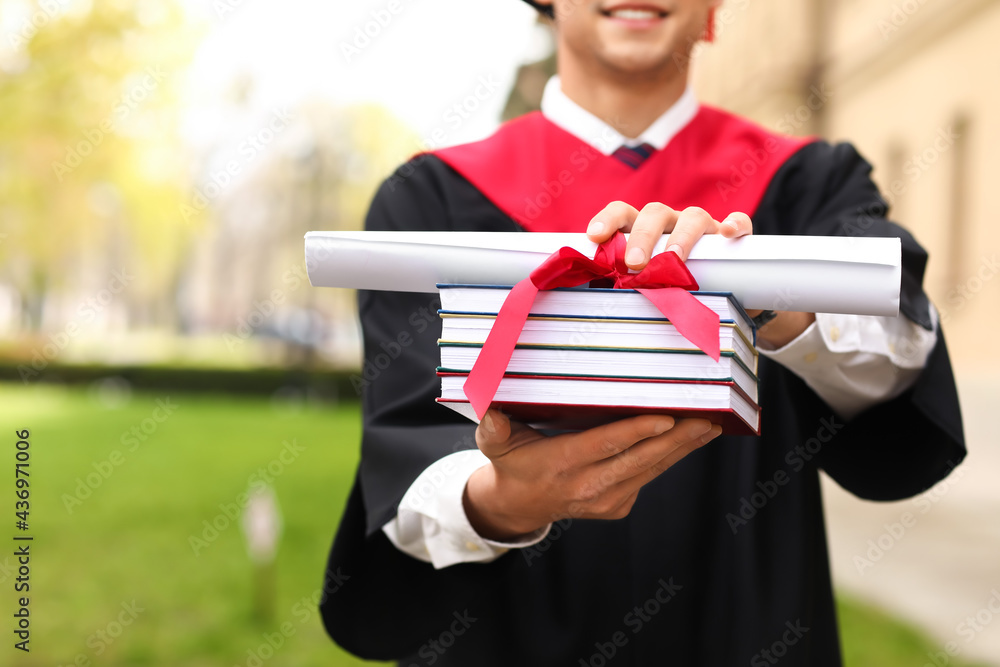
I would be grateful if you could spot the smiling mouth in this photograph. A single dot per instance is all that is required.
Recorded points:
(628, 13)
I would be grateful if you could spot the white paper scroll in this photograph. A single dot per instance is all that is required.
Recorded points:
(821, 274)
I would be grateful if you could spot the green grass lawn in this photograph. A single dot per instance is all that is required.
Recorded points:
(126, 552)
(130, 540)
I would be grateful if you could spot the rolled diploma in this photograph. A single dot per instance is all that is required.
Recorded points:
(817, 274)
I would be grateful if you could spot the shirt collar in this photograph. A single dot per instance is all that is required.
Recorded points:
(570, 116)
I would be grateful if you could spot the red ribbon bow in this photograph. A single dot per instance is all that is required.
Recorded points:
(665, 282)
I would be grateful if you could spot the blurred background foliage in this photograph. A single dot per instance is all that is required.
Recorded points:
(88, 148)
(99, 178)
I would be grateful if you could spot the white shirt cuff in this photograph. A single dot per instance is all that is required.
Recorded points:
(854, 362)
(431, 524)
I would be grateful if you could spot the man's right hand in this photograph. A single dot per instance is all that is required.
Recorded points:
(533, 479)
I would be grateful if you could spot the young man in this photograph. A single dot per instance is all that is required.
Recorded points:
(632, 542)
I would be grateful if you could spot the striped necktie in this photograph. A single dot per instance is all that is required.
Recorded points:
(634, 156)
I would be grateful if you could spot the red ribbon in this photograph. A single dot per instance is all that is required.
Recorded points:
(665, 282)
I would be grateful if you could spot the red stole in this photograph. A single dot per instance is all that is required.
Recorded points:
(548, 180)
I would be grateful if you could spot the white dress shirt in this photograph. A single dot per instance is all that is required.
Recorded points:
(851, 361)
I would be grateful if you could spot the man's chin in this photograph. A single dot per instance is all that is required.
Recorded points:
(632, 62)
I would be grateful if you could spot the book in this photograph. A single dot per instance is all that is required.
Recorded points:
(596, 333)
(586, 302)
(639, 364)
(586, 356)
(561, 403)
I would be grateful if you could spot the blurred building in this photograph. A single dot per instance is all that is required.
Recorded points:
(913, 84)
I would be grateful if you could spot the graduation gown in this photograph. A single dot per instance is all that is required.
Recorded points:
(723, 559)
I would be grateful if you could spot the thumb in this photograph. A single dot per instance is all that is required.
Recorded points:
(493, 434)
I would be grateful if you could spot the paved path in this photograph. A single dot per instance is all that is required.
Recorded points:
(934, 560)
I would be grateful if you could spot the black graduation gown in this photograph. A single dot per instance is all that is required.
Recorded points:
(722, 561)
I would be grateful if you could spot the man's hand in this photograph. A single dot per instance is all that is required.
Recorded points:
(654, 220)
(685, 228)
(533, 480)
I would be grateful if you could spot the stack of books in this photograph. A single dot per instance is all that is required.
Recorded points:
(589, 356)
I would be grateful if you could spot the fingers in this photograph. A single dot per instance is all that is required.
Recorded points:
(650, 224)
(736, 224)
(610, 487)
(655, 219)
(493, 434)
(616, 215)
(692, 224)
(673, 456)
(680, 452)
(645, 227)
(655, 451)
(604, 442)
(623, 508)
(592, 474)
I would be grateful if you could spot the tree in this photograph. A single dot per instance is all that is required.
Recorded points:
(90, 176)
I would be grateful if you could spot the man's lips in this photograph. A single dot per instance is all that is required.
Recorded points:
(634, 12)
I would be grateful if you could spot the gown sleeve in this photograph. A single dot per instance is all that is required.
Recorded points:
(386, 603)
(900, 447)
